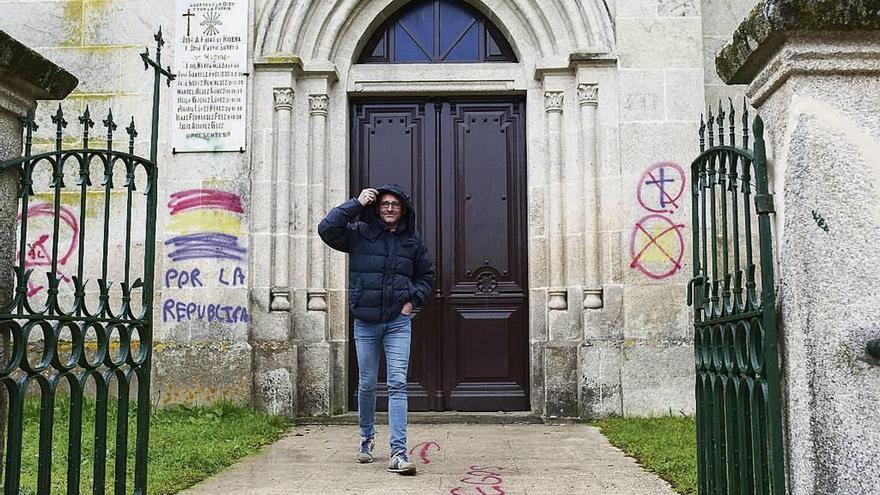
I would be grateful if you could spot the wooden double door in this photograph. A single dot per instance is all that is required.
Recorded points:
(463, 162)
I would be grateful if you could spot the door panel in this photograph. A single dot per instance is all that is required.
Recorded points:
(464, 161)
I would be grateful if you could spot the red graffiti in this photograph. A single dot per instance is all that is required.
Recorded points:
(38, 253)
(192, 199)
(424, 449)
(657, 246)
(481, 479)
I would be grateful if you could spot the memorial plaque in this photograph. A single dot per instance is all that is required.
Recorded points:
(210, 60)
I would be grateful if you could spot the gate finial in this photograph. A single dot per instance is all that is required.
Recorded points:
(87, 123)
(132, 133)
(111, 126)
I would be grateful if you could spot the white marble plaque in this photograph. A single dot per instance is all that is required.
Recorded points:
(210, 60)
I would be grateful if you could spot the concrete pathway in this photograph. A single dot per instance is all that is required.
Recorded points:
(454, 459)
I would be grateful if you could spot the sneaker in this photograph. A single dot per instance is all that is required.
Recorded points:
(365, 452)
(400, 464)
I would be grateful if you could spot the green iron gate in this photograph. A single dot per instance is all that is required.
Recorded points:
(80, 221)
(739, 425)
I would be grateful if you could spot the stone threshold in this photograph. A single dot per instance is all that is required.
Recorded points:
(447, 417)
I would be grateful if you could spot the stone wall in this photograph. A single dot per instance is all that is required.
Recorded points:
(625, 83)
(25, 76)
(196, 358)
(812, 71)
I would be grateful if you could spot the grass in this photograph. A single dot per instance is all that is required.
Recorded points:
(187, 444)
(666, 445)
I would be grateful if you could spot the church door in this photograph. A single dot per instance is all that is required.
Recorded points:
(463, 161)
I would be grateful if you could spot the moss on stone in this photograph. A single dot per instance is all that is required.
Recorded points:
(764, 30)
(18, 61)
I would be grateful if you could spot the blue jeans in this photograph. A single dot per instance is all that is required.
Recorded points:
(370, 339)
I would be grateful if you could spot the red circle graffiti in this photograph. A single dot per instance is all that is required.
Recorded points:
(664, 260)
(653, 188)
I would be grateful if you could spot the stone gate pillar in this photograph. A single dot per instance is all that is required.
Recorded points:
(813, 68)
(25, 77)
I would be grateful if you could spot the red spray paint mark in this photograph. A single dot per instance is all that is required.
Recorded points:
(663, 260)
(480, 480)
(193, 199)
(424, 449)
(38, 253)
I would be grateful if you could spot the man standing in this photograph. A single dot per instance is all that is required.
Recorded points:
(390, 274)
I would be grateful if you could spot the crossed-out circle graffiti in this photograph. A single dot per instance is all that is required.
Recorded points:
(661, 187)
(656, 246)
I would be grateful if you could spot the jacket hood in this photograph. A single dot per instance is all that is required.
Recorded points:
(407, 223)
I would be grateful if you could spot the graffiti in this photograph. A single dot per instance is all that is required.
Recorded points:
(41, 218)
(209, 245)
(179, 279)
(209, 225)
(424, 448)
(661, 187)
(182, 201)
(656, 245)
(181, 311)
(480, 480)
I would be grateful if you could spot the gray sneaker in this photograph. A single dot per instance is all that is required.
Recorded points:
(400, 464)
(365, 451)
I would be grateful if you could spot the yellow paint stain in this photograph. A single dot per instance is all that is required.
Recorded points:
(73, 19)
(196, 221)
(94, 201)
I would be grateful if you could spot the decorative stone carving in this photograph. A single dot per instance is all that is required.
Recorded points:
(588, 94)
(283, 98)
(318, 104)
(279, 299)
(588, 99)
(553, 101)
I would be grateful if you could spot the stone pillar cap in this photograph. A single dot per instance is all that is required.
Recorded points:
(42, 78)
(771, 22)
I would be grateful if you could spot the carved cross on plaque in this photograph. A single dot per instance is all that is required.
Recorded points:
(189, 15)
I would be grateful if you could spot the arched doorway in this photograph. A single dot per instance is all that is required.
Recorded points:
(463, 158)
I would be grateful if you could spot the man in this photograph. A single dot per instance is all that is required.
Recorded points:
(390, 275)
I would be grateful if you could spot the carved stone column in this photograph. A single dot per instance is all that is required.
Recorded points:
(317, 293)
(280, 293)
(553, 106)
(588, 99)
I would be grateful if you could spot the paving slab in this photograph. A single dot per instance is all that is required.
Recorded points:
(453, 459)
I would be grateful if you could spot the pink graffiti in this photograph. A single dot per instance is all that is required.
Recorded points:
(663, 261)
(424, 449)
(481, 479)
(38, 253)
(192, 199)
(661, 187)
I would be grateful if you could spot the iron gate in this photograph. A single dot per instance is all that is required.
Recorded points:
(61, 329)
(739, 425)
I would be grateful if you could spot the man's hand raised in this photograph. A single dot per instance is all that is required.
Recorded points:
(368, 196)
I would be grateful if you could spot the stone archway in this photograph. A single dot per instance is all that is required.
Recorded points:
(304, 77)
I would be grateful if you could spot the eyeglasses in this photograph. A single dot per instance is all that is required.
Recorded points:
(389, 205)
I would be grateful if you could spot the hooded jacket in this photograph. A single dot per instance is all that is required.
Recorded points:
(386, 269)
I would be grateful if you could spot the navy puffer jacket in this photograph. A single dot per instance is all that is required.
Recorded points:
(386, 269)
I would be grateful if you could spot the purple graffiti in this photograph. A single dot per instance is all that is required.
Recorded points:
(207, 245)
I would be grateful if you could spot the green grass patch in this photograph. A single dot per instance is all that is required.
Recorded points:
(187, 444)
(666, 445)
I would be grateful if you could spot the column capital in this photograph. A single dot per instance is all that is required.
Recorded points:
(283, 98)
(318, 104)
(588, 94)
(553, 101)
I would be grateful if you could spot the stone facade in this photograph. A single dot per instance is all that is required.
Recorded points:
(25, 77)
(813, 78)
(613, 93)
